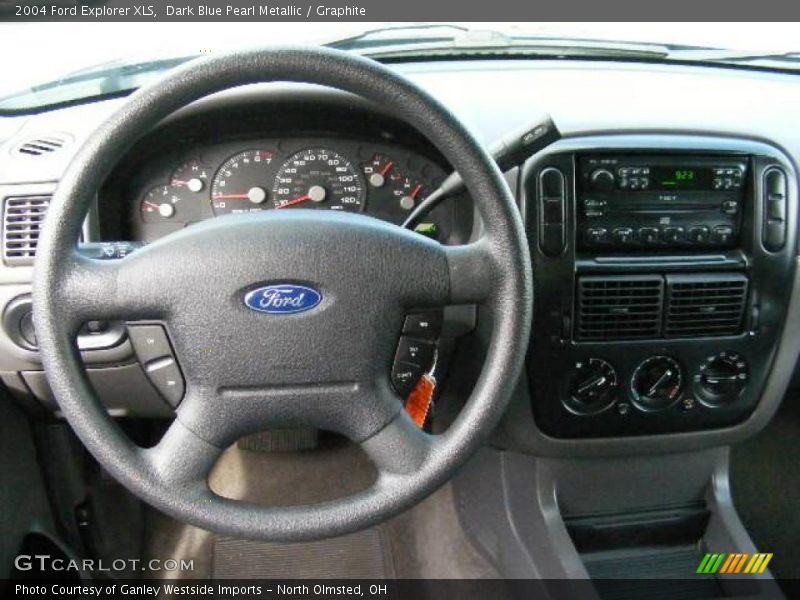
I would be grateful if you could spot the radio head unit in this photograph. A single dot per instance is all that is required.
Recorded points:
(660, 201)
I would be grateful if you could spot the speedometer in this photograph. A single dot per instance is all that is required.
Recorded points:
(318, 178)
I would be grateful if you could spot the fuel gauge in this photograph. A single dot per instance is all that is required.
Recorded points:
(162, 204)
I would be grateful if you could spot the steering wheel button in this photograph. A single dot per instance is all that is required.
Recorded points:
(423, 324)
(166, 377)
(405, 377)
(415, 351)
(149, 342)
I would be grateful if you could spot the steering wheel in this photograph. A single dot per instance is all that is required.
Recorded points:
(246, 371)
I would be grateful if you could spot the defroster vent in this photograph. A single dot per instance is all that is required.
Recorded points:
(23, 217)
(699, 305)
(619, 308)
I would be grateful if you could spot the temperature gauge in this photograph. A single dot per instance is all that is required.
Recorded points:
(191, 176)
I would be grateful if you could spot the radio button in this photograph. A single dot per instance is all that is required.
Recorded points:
(603, 180)
(722, 234)
(698, 234)
(648, 235)
(730, 207)
(674, 235)
(594, 208)
(596, 235)
(623, 235)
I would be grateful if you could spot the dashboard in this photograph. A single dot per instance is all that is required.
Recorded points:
(633, 199)
(248, 176)
(208, 166)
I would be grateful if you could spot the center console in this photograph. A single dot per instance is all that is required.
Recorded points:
(662, 272)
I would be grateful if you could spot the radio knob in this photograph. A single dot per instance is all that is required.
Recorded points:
(602, 180)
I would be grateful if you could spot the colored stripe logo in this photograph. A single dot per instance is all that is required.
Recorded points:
(737, 562)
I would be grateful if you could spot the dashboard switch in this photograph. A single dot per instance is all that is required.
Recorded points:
(648, 235)
(623, 235)
(423, 324)
(596, 235)
(722, 234)
(698, 234)
(166, 377)
(674, 235)
(149, 342)
(552, 208)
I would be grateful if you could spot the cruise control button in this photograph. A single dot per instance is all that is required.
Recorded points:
(149, 342)
(166, 377)
(405, 377)
(415, 351)
(424, 324)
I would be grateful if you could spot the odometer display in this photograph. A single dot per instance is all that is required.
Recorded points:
(318, 178)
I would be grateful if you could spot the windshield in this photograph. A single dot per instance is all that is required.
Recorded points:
(100, 60)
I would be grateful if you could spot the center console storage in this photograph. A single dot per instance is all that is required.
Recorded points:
(662, 269)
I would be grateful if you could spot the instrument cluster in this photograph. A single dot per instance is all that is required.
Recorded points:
(380, 180)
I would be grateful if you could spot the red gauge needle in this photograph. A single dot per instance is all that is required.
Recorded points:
(386, 169)
(150, 204)
(294, 201)
(416, 191)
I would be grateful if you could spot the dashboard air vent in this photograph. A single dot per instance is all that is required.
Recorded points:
(42, 145)
(701, 305)
(22, 221)
(619, 308)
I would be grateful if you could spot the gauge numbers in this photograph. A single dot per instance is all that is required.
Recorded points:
(318, 178)
(241, 183)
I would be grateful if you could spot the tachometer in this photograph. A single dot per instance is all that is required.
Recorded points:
(242, 182)
(318, 178)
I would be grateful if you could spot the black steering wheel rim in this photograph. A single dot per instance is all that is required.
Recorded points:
(494, 271)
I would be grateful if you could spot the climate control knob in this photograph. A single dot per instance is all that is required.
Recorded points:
(592, 387)
(602, 180)
(722, 378)
(656, 383)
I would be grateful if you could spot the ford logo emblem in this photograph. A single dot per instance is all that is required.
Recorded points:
(283, 299)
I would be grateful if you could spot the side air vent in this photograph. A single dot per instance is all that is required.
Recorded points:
(619, 308)
(701, 305)
(22, 221)
(42, 145)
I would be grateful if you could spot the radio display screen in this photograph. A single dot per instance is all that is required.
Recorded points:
(681, 178)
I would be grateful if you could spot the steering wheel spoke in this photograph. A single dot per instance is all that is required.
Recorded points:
(400, 448)
(182, 458)
(125, 289)
(473, 272)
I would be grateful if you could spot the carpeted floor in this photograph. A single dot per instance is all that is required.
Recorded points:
(765, 481)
